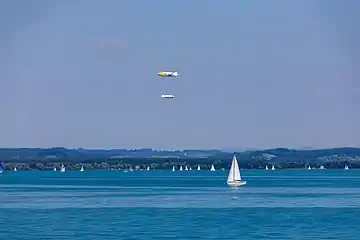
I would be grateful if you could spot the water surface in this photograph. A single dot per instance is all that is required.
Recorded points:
(288, 204)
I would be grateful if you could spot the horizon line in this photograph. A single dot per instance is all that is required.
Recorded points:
(225, 149)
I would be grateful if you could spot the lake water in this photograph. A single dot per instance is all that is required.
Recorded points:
(101, 205)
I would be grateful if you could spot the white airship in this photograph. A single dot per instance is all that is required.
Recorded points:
(167, 96)
(168, 74)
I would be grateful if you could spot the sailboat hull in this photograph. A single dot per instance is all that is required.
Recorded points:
(236, 183)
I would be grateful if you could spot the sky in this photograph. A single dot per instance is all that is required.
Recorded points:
(253, 74)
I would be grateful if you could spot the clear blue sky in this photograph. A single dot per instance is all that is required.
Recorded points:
(252, 73)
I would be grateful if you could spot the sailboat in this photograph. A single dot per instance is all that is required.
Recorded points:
(186, 168)
(181, 168)
(15, 169)
(148, 168)
(322, 167)
(82, 169)
(234, 178)
(173, 169)
(346, 167)
(54, 169)
(212, 168)
(266, 167)
(62, 169)
(190, 168)
(198, 168)
(2, 169)
(309, 167)
(273, 167)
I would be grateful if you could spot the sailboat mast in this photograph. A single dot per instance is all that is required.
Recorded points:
(233, 163)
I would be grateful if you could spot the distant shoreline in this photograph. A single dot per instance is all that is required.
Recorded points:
(281, 158)
(204, 165)
(193, 170)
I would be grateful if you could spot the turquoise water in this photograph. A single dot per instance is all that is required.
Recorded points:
(288, 204)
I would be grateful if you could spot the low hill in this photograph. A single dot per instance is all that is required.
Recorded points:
(39, 158)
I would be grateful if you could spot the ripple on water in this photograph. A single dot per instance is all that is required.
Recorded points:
(187, 207)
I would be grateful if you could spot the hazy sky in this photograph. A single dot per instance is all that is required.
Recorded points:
(78, 73)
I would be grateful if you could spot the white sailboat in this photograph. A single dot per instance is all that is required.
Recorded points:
(212, 168)
(15, 169)
(173, 169)
(186, 168)
(2, 169)
(346, 167)
(82, 169)
(234, 178)
(266, 167)
(148, 168)
(198, 168)
(273, 167)
(62, 169)
(54, 169)
(322, 167)
(190, 168)
(309, 167)
(181, 168)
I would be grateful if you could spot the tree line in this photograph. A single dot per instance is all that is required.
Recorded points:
(161, 163)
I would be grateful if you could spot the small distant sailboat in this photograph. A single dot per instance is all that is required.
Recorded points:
(62, 169)
(309, 167)
(212, 168)
(234, 178)
(186, 168)
(322, 167)
(15, 169)
(2, 169)
(148, 168)
(266, 167)
(198, 168)
(346, 167)
(82, 169)
(190, 168)
(181, 168)
(173, 169)
(54, 169)
(273, 167)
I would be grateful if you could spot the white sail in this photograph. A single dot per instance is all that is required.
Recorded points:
(148, 168)
(62, 169)
(186, 168)
(234, 178)
(266, 168)
(173, 169)
(181, 168)
(273, 167)
(212, 168)
(54, 169)
(198, 168)
(15, 169)
(346, 167)
(82, 169)
(190, 168)
(234, 174)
